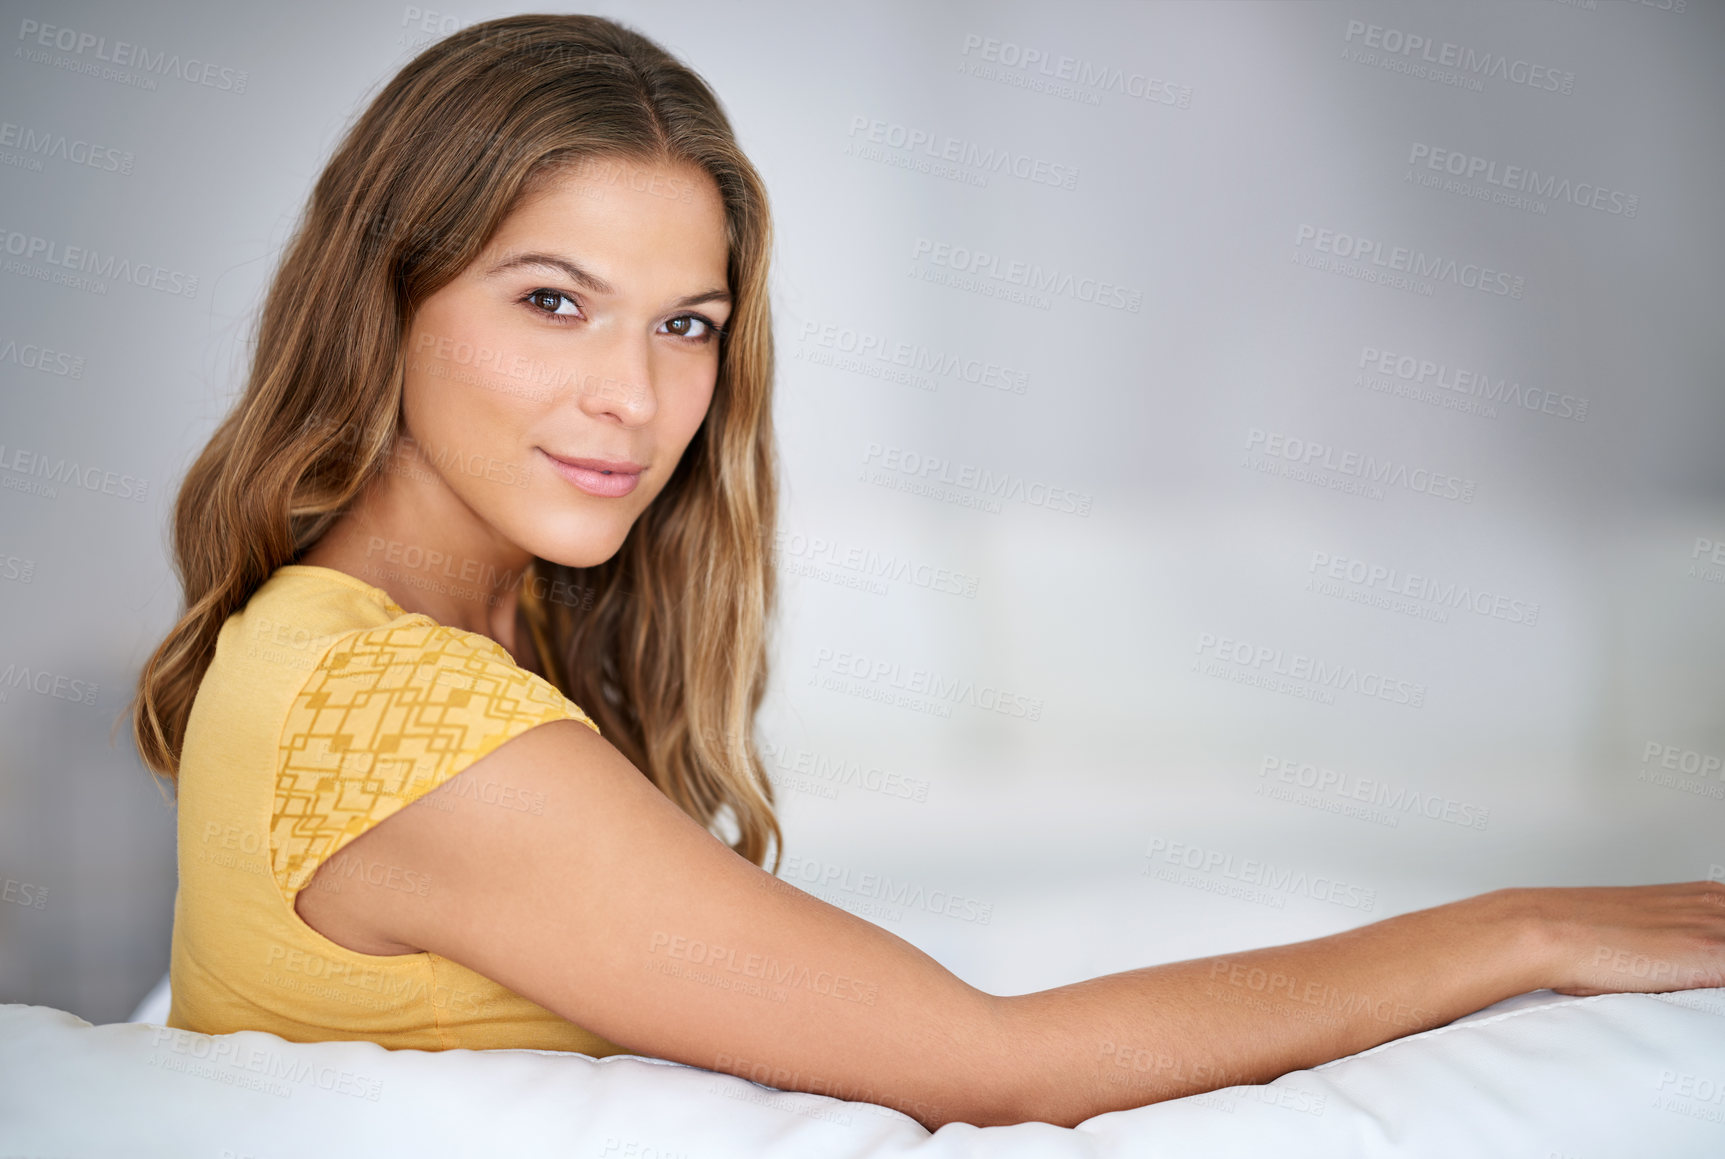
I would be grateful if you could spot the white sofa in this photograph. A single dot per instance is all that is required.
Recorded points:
(1540, 1076)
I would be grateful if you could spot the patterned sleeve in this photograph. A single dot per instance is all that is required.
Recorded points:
(387, 715)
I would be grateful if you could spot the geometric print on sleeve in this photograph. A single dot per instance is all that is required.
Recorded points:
(387, 715)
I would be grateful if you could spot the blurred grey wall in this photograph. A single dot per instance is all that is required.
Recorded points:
(1250, 468)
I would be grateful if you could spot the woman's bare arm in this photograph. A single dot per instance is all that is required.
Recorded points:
(1193, 1026)
(606, 904)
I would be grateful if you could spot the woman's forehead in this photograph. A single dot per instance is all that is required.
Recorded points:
(621, 223)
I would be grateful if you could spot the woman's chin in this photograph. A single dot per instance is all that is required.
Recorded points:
(590, 552)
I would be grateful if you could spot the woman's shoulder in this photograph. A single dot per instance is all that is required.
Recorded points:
(306, 624)
(333, 628)
(321, 595)
(352, 643)
(288, 625)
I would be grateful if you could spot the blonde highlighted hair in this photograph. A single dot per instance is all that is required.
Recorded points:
(668, 653)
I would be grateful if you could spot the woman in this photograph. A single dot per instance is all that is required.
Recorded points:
(478, 587)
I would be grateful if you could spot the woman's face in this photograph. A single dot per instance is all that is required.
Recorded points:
(586, 330)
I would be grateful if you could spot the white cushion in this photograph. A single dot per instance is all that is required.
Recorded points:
(1537, 1076)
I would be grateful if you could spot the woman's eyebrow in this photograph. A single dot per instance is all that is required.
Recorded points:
(592, 282)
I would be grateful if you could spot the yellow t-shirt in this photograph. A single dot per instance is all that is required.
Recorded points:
(326, 708)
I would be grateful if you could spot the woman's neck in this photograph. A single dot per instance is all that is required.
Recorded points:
(430, 561)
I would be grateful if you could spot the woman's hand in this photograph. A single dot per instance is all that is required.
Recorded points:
(1638, 938)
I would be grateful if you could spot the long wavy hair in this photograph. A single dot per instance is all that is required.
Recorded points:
(668, 649)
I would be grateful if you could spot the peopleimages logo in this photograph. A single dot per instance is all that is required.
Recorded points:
(919, 685)
(817, 877)
(249, 1067)
(1310, 455)
(1711, 552)
(45, 683)
(1659, 761)
(1311, 669)
(1253, 873)
(818, 552)
(31, 356)
(1412, 262)
(31, 248)
(991, 57)
(1027, 275)
(38, 143)
(22, 468)
(1427, 372)
(1523, 179)
(831, 773)
(124, 54)
(978, 484)
(929, 145)
(1348, 788)
(915, 357)
(1447, 596)
(1410, 46)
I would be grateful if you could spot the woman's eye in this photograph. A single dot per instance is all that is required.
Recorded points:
(683, 327)
(552, 302)
(556, 304)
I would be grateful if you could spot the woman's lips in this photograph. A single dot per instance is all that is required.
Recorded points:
(606, 478)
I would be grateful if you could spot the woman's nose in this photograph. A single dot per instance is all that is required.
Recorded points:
(620, 383)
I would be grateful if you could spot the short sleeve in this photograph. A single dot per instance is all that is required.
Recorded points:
(387, 715)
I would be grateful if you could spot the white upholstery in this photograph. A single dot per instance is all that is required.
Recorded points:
(1537, 1076)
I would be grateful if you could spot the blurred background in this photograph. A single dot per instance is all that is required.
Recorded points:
(1250, 469)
